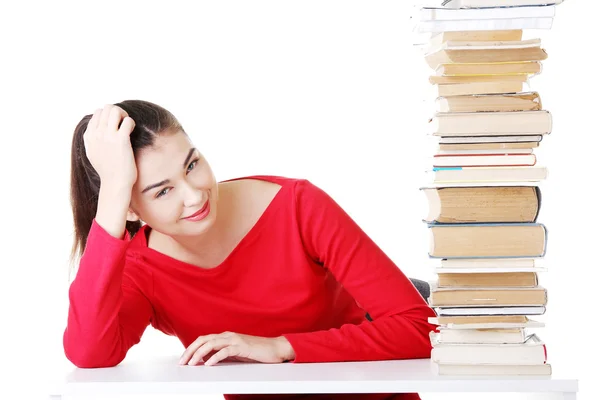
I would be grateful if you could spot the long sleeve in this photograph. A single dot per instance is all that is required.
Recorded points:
(107, 312)
(399, 329)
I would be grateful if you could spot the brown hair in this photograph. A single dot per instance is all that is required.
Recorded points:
(150, 120)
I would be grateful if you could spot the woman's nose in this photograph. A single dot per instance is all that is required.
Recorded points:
(192, 196)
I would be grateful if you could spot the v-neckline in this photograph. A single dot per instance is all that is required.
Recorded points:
(254, 230)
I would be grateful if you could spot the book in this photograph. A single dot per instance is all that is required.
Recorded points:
(446, 80)
(477, 322)
(485, 52)
(480, 146)
(482, 204)
(502, 102)
(490, 87)
(531, 351)
(440, 152)
(498, 264)
(490, 139)
(469, 320)
(493, 240)
(441, 14)
(488, 174)
(484, 24)
(475, 336)
(497, 3)
(491, 123)
(483, 160)
(526, 68)
(490, 369)
(472, 36)
(499, 310)
(489, 280)
(508, 296)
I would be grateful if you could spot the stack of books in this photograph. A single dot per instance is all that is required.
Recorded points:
(484, 194)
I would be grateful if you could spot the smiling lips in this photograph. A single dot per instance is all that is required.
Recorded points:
(201, 213)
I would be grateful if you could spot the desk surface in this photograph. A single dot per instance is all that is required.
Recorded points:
(164, 375)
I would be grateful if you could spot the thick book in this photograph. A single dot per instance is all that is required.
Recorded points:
(501, 102)
(491, 123)
(447, 80)
(493, 240)
(524, 68)
(467, 297)
(475, 36)
(487, 279)
(489, 87)
(530, 352)
(482, 204)
(485, 322)
(485, 52)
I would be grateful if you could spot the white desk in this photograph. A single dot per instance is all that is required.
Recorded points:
(165, 376)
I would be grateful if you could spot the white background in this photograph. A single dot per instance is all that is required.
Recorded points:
(332, 91)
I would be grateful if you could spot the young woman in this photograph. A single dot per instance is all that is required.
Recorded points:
(260, 269)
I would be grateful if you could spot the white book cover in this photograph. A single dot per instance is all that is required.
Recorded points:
(511, 310)
(484, 25)
(496, 3)
(446, 14)
(490, 325)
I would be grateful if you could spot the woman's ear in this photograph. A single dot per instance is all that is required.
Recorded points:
(132, 216)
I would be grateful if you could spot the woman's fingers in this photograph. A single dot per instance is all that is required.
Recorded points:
(214, 344)
(114, 118)
(229, 351)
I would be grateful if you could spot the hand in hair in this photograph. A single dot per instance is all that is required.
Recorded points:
(108, 147)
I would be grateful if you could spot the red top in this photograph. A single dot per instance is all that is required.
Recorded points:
(305, 270)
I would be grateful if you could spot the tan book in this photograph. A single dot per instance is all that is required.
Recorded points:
(483, 204)
(476, 36)
(500, 279)
(487, 240)
(504, 102)
(458, 89)
(483, 146)
(479, 319)
(527, 68)
(444, 80)
(486, 52)
(536, 296)
(491, 123)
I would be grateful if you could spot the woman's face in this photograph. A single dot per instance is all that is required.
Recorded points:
(174, 182)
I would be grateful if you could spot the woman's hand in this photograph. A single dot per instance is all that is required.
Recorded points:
(108, 147)
(238, 347)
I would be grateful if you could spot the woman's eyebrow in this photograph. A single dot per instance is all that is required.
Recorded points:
(165, 181)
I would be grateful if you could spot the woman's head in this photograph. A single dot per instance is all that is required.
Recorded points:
(174, 180)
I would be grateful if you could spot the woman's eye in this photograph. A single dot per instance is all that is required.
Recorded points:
(192, 165)
(162, 192)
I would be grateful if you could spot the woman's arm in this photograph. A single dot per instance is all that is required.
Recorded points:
(107, 312)
(399, 328)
